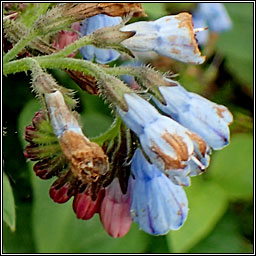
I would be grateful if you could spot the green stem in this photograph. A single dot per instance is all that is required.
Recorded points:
(18, 47)
(111, 87)
(73, 47)
(51, 62)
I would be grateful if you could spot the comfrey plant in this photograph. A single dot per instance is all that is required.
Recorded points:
(137, 169)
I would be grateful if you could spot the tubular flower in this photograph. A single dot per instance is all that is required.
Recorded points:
(209, 120)
(170, 146)
(158, 205)
(115, 210)
(84, 206)
(171, 36)
(91, 24)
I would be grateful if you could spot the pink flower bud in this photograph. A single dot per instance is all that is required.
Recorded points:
(84, 206)
(65, 38)
(115, 210)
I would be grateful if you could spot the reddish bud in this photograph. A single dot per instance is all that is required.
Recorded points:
(84, 206)
(65, 38)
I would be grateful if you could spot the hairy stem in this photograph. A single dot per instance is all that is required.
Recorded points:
(51, 62)
(11, 54)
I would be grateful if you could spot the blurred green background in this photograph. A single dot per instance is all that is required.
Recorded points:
(221, 200)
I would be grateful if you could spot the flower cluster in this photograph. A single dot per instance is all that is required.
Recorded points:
(137, 169)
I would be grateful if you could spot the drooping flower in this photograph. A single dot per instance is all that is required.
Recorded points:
(208, 119)
(171, 36)
(115, 209)
(169, 145)
(91, 24)
(84, 206)
(158, 205)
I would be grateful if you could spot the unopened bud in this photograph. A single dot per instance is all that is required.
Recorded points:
(84, 206)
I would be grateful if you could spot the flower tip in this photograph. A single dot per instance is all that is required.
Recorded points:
(85, 207)
(62, 194)
(115, 219)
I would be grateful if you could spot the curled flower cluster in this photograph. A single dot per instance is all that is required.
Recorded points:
(136, 171)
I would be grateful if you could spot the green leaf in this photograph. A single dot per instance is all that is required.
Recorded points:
(32, 12)
(232, 167)
(8, 203)
(20, 241)
(237, 44)
(225, 238)
(57, 230)
(207, 204)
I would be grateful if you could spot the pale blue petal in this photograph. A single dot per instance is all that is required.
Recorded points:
(98, 21)
(216, 16)
(176, 40)
(165, 36)
(157, 204)
(140, 113)
(90, 52)
(181, 180)
(145, 37)
(153, 136)
(207, 119)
